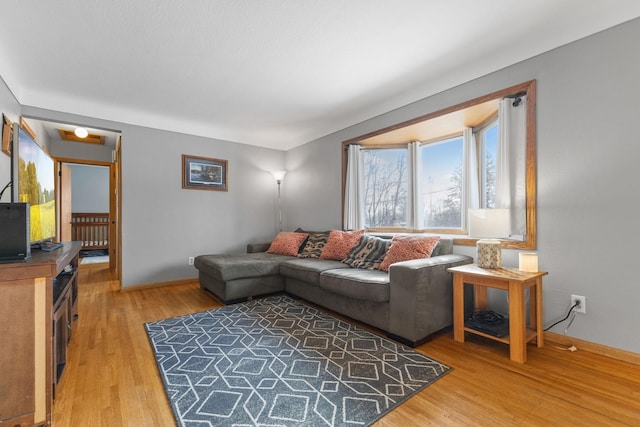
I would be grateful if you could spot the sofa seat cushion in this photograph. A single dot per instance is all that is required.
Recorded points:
(369, 285)
(240, 266)
(308, 270)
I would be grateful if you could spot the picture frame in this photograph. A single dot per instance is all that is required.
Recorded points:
(203, 173)
(7, 134)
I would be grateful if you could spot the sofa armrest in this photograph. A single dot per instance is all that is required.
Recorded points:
(421, 296)
(253, 248)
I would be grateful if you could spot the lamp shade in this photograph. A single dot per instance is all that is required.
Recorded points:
(528, 261)
(279, 175)
(489, 223)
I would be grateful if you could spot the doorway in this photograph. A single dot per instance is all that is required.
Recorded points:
(88, 209)
(89, 220)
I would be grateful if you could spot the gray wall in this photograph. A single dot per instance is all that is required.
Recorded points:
(89, 188)
(163, 224)
(588, 148)
(81, 151)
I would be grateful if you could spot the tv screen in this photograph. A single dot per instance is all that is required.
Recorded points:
(33, 183)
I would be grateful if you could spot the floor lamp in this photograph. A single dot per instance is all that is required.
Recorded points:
(279, 176)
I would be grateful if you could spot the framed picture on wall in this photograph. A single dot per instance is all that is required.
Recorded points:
(202, 173)
(7, 135)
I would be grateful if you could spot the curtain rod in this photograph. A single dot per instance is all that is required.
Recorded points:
(516, 98)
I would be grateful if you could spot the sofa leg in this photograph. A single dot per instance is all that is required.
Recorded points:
(409, 343)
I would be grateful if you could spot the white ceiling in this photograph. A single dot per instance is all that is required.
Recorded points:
(275, 73)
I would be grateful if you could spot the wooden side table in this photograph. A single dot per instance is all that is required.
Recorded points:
(515, 282)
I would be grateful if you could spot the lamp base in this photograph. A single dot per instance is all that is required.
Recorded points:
(489, 253)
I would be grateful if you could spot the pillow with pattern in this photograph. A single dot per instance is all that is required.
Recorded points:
(315, 244)
(287, 243)
(340, 243)
(405, 247)
(368, 253)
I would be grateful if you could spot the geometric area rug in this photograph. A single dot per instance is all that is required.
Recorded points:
(278, 362)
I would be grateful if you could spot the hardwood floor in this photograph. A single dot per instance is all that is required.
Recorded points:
(111, 377)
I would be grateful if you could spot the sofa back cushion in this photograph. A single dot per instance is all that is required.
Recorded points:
(315, 244)
(287, 243)
(405, 247)
(368, 253)
(340, 243)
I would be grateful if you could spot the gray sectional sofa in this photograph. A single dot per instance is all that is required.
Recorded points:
(410, 302)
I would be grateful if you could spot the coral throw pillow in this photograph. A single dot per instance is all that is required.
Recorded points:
(406, 246)
(287, 243)
(340, 243)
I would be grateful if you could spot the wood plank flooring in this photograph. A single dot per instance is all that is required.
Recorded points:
(111, 377)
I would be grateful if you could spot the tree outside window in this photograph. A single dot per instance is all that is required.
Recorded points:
(441, 183)
(489, 152)
(385, 188)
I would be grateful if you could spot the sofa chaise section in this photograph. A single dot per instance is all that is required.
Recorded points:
(236, 277)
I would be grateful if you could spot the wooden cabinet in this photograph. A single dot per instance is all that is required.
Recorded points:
(61, 336)
(29, 340)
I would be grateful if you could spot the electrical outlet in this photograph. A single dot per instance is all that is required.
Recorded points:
(191, 260)
(582, 308)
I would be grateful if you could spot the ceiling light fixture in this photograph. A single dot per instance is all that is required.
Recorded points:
(81, 132)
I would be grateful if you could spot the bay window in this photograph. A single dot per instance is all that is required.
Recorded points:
(423, 175)
(437, 174)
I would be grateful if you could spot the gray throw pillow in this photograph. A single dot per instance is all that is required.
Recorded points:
(315, 244)
(368, 253)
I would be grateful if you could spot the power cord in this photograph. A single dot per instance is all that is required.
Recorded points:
(573, 307)
(5, 187)
(571, 313)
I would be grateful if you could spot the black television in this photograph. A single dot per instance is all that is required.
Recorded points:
(34, 183)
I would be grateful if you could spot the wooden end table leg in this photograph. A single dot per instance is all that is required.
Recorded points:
(539, 324)
(458, 307)
(517, 323)
(533, 313)
(480, 297)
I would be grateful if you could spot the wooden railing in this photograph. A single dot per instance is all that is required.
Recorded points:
(92, 229)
